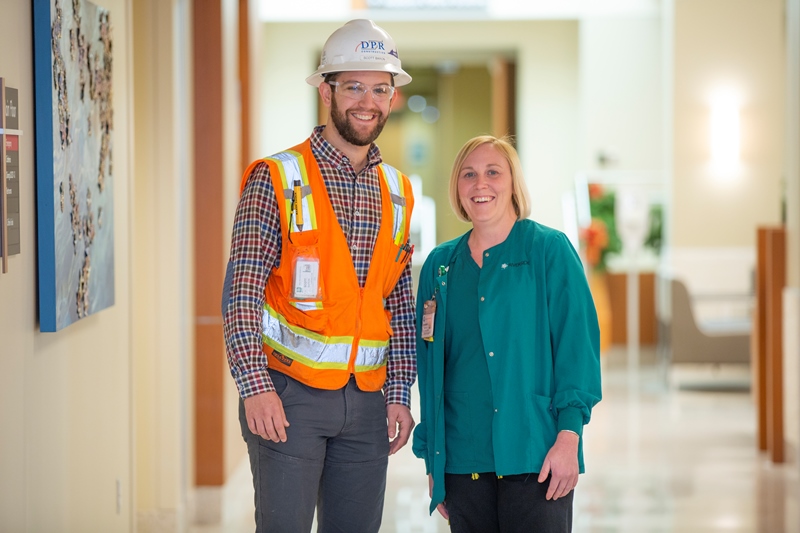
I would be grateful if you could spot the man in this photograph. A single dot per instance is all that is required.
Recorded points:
(319, 277)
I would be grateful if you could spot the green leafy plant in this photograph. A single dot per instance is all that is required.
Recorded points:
(600, 239)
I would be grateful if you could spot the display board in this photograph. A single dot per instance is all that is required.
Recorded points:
(9, 173)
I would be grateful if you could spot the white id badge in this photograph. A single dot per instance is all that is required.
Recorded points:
(306, 278)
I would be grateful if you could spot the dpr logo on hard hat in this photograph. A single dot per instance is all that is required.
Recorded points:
(357, 46)
(365, 46)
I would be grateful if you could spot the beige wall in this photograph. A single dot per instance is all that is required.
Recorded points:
(547, 85)
(18, 321)
(234, 447)
(465, 103)
(742, 44)
(736, 43)
(582, 86)
(66, 406)
(162, 279)
(791, 295)
(793, 141)
(621, 94)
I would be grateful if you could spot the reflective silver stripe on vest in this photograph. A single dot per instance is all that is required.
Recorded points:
(398, 202)
(310, 351)
(320, 352)
(371, 356)
(290, 161)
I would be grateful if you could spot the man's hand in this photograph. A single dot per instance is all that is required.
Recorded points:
(265, 416)
(398, 415)
(441, 507)
(562, 463)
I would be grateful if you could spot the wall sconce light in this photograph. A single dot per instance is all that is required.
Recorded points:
(725, 132)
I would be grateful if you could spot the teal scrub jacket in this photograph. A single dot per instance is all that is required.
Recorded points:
(542, 346)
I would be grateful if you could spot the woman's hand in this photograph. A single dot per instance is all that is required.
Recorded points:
(561, 463)
(441, 507)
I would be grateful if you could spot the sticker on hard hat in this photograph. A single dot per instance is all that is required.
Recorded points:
(369, 45)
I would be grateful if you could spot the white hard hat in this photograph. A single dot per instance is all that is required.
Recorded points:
(359, 45)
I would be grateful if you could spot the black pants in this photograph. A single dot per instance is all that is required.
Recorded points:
(511, 504)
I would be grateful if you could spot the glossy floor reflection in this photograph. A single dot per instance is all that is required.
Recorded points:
(665, 452)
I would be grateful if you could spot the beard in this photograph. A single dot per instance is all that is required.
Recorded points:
(349, 133)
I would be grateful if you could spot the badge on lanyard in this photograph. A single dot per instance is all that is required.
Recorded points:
(306, 277)
(428, 316)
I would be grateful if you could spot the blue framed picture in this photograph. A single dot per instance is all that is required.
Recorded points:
(74, 113)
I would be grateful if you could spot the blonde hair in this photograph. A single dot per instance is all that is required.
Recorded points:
(519, 196)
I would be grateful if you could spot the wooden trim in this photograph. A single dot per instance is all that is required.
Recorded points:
(758, 345)
(208, 241)
(500, 103)
(503, 75)
(618, 291)
(775, 282)
(244, 80)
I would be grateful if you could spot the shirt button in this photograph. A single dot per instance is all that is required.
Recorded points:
(491, 354)
(356, 212)
(482, 298)
(437, 453)
(443, 283)
(494, 411)
(486, 254)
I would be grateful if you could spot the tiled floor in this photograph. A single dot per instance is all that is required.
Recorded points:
(678, 457)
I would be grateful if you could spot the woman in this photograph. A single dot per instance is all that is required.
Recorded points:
(508, 357)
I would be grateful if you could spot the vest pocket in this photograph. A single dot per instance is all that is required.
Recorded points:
(389, 329)
(306, 291)
(399, 258)
(310, 315)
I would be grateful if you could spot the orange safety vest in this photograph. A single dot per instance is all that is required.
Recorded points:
(321, 340)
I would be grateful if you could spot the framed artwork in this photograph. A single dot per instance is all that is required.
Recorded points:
(73, 60)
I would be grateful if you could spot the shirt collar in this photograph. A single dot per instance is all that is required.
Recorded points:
(322, 149)
(462, 247)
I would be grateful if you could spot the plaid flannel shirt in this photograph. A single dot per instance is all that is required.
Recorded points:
(256, 249)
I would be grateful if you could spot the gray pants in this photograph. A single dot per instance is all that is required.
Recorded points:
(334, 459)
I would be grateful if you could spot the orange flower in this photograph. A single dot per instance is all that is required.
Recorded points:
(595, 239)
(595, 191)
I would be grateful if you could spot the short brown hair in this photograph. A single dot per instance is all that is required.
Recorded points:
(519, 195)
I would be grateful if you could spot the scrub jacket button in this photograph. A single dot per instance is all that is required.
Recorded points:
(491, 354)
(482, 298)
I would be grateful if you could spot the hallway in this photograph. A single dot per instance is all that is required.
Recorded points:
(662, 459)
